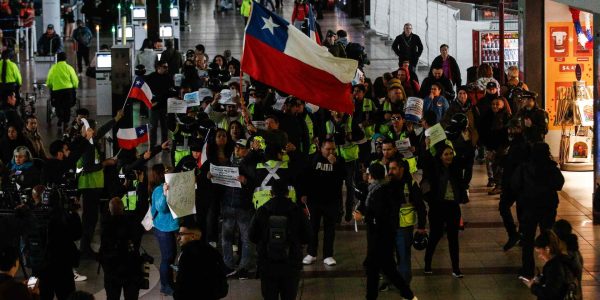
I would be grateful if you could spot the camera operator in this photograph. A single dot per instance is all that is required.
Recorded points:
(91, 179)
(21, 170)
(60, 252)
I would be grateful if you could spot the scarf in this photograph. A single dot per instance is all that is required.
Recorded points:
(23, 167)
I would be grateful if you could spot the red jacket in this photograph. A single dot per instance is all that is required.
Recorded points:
(300, 12)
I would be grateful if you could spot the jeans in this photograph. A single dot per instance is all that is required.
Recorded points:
(444, 213)
(404, 240)
(168, 249)
(159, 115)
(329, 216)
(532, 218)
(274, 287)
(83, 53)
(242, 218)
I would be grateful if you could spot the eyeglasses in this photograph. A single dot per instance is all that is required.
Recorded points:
(396, 118)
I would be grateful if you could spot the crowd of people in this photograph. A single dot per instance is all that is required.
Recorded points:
(295, 161)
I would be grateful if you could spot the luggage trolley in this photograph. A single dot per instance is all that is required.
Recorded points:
(40, 71)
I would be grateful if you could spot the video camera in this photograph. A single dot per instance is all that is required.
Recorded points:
(11, 195)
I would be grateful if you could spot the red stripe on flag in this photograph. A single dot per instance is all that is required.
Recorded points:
(138, 94)
(130, 144)
(294, 77)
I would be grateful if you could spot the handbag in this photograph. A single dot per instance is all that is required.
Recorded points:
(148, 221)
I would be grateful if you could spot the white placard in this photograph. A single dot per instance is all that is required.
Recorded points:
(227, 176)
(403, 147)
(192, 99)
(181, 196)
(260, 125)
(176, 106)
(435, 134)
(414, 109)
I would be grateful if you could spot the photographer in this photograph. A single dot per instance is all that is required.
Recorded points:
(59, 164)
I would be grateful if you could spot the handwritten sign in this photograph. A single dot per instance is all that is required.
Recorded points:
(260, 125)
(203, 93)
(181, 196)
(192, 99)
(227, 176)
(176, 106)
(435, 134)
(403, 147)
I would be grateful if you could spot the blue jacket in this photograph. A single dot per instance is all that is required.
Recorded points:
(439, 105)
(164, 220)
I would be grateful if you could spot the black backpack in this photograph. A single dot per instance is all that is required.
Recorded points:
(572, 288)
(278, 243)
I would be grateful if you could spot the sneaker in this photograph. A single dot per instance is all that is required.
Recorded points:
(512, 241)
(79, 277)
(235, 248)
(230, 272)
(243, 274)
(384, 287)
(309, 259)
(457, 274)
(329, 261)
(413, 298)
(213, 244)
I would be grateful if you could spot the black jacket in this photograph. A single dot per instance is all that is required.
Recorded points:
(556, 276)
(118, 255)
(448, 90)
(438, 178)
(537, 184)
(518, 153)
(200, 270)
(408, 48)
(539, 125)
(160, 84)
(322, 181)
(454, 69)
(299, 233)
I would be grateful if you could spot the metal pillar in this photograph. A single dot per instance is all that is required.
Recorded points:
(501, 33)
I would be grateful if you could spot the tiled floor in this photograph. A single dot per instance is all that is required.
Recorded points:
(490, 273)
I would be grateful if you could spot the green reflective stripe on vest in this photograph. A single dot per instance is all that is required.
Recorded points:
(181, 153)
(271, 164)
(93, 180)
(367, 105)
(262, 195)
(412, 164)
(387, 106)
(130, 198)
(311, 134)
(251, 109)
(349, 152)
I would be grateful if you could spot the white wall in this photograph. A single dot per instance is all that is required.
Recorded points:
(464, 47)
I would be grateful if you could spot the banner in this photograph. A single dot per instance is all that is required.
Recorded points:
(227, 176)
(181, 196)
(435, 134)
(192, 99)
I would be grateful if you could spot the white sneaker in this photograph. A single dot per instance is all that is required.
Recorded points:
(329, 261)
(414, 298)
(235, 248)
(79, 277)
(213, 244)
(309, 259)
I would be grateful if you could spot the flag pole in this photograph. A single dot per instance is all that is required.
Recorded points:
(148, 133)
(127, 97)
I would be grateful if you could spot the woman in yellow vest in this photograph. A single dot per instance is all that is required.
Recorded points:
(10, 77)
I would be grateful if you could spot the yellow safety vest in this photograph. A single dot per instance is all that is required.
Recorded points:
(311, 134)
(130, 198)
(92, 180)
(262, 193)
(349, 151)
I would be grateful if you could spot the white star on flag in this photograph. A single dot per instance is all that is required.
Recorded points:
(269, 24)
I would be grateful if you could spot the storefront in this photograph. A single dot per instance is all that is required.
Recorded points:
(571, 85)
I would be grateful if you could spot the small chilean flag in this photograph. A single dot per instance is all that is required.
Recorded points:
(130, 138)
(312, 26)
(141, 91)
(284, 58)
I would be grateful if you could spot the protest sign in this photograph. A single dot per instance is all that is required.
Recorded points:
(227, 176)
(435, 134)
(192, 99)
(176, 106)
(181, 196)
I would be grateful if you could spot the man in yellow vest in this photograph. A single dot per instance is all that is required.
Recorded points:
(62, 82)
(90, 170)
(265, 173)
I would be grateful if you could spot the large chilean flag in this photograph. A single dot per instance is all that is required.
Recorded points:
(285, 58)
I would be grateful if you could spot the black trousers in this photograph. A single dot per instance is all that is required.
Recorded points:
(56, 280)
(465, 158)
(380, 259)
(445, 213)
(279, 287)
(530, 219)
(63, 100)
(329, 214)
(507, 199)
(113, 286)
(83, 53)
(89, 217)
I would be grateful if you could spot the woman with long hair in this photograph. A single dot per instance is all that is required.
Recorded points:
(147, 56)
(165, 227)
(445, 194)
(557, 280)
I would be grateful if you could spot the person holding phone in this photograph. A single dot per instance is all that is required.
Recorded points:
(9, 287)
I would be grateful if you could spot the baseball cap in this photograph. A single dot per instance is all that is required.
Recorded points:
(330, 33)
(491, 85)
(50, 26)
(242, 143)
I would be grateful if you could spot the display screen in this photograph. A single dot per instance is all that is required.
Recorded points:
(166, 31)
(174, 12)
(128, 32)
(103, 61)
(139, 13)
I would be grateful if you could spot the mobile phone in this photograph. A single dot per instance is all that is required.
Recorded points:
(524, 279)
(32, 282)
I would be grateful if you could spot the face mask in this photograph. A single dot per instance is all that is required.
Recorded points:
(251, 100)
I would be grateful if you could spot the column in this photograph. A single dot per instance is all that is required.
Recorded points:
(51, 15)
(596, 198)
(531, 44)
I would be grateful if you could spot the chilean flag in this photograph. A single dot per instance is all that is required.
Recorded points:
(141, 91)
(283, 57)
(312, 27)
(129, 138)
